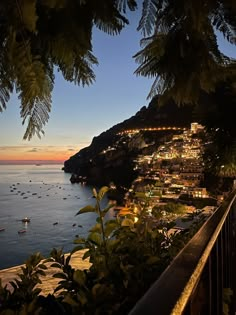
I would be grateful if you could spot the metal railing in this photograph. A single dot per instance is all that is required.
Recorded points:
(196, 281)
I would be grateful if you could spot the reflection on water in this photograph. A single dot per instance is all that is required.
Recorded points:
(45, 195)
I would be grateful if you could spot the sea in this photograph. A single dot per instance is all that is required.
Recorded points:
(44, 194)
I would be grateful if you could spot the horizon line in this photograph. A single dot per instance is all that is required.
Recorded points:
(21, 162)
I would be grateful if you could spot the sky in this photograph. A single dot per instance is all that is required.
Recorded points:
(78, 114)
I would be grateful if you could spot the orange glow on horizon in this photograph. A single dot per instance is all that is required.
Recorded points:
(37, 153)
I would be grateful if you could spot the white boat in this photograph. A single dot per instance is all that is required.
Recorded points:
(25, 220)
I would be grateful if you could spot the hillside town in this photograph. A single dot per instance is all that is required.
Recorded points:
(170, 180)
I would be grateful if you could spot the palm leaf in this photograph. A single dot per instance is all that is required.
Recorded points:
(148, 19)
(34, 86)
(123, 4)
(6, 88)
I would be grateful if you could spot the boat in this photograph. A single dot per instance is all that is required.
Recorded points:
(25, 220)
(2, 229)
(21, 231)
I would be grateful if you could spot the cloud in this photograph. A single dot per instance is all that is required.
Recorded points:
(34, 150)
(70, 149)
(7, 148)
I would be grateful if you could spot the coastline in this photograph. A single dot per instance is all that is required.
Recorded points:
(45, 195)
(48, 282)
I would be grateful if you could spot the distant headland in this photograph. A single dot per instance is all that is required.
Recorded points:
(111, 154)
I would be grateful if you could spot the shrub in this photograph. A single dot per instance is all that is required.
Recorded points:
(126, 256)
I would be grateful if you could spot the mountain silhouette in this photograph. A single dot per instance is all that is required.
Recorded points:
(111, 155)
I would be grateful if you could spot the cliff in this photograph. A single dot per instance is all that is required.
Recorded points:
(110, 155)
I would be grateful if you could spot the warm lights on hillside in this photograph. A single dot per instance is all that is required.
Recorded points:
(133, 131)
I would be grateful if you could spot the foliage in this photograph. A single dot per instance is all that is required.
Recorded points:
(227, 299)
(180, 49)
(22, 298)
(37, 36)
(126, 256)
(172, 207)
(220, 150)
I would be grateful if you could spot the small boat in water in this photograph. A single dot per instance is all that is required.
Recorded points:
(2, 229)
(25, 220)
(21, 231)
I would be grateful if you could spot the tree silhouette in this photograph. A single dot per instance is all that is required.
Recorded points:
(180, 47)
(38, 36)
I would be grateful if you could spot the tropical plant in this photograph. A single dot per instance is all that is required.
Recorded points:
(180, 49)
(40, 35)
(126, 256)
(22, 297)
(220, 133)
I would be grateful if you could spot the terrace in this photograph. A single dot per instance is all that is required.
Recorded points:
(202, 277)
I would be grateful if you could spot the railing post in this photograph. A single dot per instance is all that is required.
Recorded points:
(193, 283)
(233, 256)
(216, 279)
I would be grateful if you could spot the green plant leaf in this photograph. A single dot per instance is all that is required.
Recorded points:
(96, 288)
(56, 265)
(48, 260)
(96, 228)
(79, 277)
(86, 209)
(41, 272)
(111, 243)
(140, 195)
(13, 284)
(127, 222)
(60, 275)
(69, 300)
(99, 220)
(37, 291)
(82, 298)
(95, 238)
(86, 254)
(104, 211)
(110, 227)
(76, 249)
(68, 260)
(59, 287)
(100, 290)
(42, 266)
(102, 192)
(152, 260)
(29, 15)
(79, 241)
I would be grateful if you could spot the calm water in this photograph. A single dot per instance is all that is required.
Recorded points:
(45, 195)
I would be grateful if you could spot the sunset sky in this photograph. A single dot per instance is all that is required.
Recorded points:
(78, 114)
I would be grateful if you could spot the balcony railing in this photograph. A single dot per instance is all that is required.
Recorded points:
(198, 279)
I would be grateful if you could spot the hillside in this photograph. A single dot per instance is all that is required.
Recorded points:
(110, 155)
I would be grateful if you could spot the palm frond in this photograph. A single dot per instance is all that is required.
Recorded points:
(6, 88)
(220, 23)
(6, 84)
(34, 85)
(123, 4)
(110, 26)
(148, 19)
(37, 116)
(80, 71)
